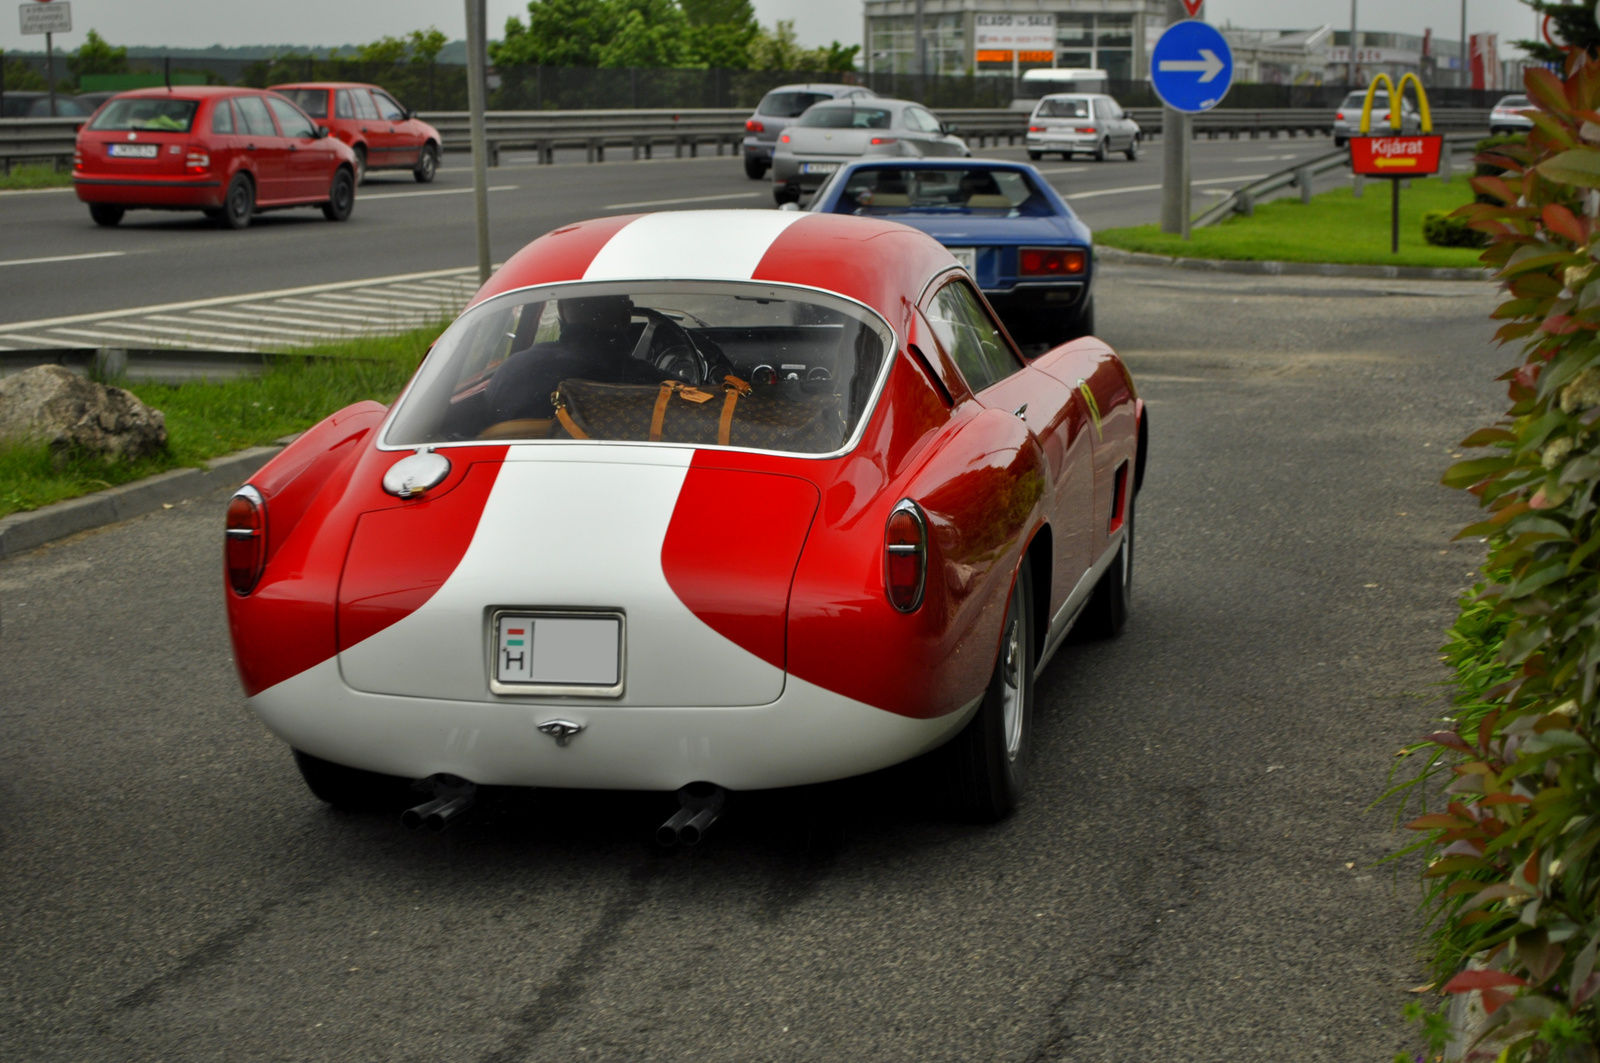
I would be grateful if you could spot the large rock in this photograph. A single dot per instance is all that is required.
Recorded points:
(49, 404)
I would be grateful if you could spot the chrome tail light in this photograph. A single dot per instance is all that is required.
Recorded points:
(245, 551)
(905, 556)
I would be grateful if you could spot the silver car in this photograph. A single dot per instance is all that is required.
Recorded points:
(1505, 119)
(774, 113)
(1088, 123)
(1347, 123)
(829, 134)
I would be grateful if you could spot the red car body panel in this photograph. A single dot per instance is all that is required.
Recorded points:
(388, 144)
(1027, 466)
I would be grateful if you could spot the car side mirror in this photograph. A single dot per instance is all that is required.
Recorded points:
(948, 127)
(410, 114)
(321, 131)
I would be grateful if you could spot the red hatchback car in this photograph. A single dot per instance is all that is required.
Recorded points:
(384, 135)
(225, 151)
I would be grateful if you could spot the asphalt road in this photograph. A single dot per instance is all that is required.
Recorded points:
(1191, 878)
(403, 227)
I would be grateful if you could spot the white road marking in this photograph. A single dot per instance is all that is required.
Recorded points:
(1152, 188)
(684, 199)
(63, 258)
(1065, 169)
(33, 191)
(1264, 158)
(254, 326)
(431, 192)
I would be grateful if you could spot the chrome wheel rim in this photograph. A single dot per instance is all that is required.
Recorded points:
(1011, 686)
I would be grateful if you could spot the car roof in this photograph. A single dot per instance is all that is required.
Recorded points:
(327, 85)
(188, 92)
(820, 86)
(876, 262)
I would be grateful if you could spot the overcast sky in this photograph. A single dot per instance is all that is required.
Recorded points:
(189, 24)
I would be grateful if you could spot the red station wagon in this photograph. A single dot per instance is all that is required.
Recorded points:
(225, 151)
(384, 135)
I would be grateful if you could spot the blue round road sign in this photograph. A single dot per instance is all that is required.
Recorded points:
(1192, 66)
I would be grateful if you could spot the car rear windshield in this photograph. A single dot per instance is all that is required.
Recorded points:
(1513, 103)
(1358, 99)
(745, 365)
(845, 118)
(789, 104)
(1062, 109)
(942, 190)
(312, 101)
(156, 114)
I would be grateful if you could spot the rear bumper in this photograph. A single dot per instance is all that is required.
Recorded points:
(1033, 297)
(1062, 141)
(808, 735)
(197, 193)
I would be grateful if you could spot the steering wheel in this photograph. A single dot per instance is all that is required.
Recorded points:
(672, 349)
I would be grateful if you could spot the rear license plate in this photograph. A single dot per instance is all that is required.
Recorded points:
(819, 167)
(968, 257)
(135, 151)
(558, 653)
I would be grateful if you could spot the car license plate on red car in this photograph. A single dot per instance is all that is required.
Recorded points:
(135, 151)
(558, 653)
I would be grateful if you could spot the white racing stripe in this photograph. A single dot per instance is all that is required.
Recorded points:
(698, 245)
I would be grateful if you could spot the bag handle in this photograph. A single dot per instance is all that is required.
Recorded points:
(734, 387)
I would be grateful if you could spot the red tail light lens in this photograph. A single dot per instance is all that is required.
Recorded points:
(784, 138)
(197, 162)
(885, 140)
(1037, 128)
(1340, 116)
(246, 549)
(905, 552)
(77, 159)
(1084, 129)
(1051, 262)
(753, 126)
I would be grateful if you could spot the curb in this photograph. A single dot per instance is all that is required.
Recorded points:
(1314, 269)
(26, 531)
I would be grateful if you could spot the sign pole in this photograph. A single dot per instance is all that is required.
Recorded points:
(1394, 216)
(50, 70)
(475, 103)
(1191, 68)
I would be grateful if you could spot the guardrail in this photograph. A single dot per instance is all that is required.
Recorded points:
(687, 131)
(1244, 200)
(161, 365)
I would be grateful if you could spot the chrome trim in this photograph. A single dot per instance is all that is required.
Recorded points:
(905, 505)
(894, 348)
(1062, 623)
(492, 617)
(561, 730)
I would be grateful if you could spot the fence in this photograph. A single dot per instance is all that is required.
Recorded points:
(443, 86)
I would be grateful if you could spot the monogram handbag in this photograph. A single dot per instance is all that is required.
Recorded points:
(764, 418)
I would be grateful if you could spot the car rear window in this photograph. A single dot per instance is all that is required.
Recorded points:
(943, 190)
(1514, 103)
(155, 114)
(845, 118)
(312, 101)
(790, 370)
(1062, 109)
(789, 104)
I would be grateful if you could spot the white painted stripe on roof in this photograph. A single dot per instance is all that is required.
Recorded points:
(697, 245)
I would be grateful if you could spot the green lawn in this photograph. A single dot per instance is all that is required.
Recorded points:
(206, 420)
(1336, 227)
(35, 177)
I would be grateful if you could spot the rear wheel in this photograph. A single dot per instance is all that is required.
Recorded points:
(1102, 150)
(107, 214)
(353, 789)
(361, 164)
(1035, 155)
(755, 167)
(986, 765)
(239, 203)
(427, 164)
(341, 197)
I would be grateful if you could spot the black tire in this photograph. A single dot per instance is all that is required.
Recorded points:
(1338, 142)
(213, 213)
(755, 168)
(1035, 155)
(1107, 612)
(427, 164)
(240, 202)
(1133, 150)
(341, 197)
(361, 164)
(106, 214)
(353, 789)
(1102, 150)
(986, 765)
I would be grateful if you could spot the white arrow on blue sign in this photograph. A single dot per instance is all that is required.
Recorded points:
(1191, 67)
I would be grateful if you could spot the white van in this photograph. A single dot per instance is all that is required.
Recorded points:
(1042, 81)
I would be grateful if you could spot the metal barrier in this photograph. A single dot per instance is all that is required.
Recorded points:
(1244, 200)
(686, 131)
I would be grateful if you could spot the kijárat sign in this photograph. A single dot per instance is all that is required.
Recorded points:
(1396, 155)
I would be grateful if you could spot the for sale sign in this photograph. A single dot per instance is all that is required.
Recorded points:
(1395, 156)
(46, 17)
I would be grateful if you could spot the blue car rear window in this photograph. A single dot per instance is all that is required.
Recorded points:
(889, 190)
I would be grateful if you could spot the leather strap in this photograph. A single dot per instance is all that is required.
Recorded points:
(660, 414)
(735, 387)
(569, 424)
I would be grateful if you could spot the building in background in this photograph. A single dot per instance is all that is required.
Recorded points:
(1437, 62)
(1279, 57)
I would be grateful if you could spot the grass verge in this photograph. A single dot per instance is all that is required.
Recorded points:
(1336, 227)
(35, 177)
(207, 420)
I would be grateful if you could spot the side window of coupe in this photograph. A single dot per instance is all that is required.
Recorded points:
(969, 336)
(342, 107)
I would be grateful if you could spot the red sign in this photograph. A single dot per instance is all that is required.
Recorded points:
(1395, 156)
(1193, 7)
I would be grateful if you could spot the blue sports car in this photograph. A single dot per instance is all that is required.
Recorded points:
(1027, 250)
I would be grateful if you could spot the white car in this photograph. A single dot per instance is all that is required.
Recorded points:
(828, 135)
(1507, 116)
(1081, 122)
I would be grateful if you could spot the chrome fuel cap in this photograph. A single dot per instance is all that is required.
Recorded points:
(413, 476)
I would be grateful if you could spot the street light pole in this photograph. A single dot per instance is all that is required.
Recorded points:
(1177, 130)
(476, 59)
(1466, 49)
(1350, 77)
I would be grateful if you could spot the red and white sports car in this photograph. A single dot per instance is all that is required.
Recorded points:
(692, 501)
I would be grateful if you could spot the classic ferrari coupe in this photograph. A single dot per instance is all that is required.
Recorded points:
(701, 501)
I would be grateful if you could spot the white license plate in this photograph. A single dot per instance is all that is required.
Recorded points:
(566, 653)
(819, 167)
(968, 257)
(135, 151)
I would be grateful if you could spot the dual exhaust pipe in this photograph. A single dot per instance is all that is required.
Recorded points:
(702, 805)
(456, 796)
